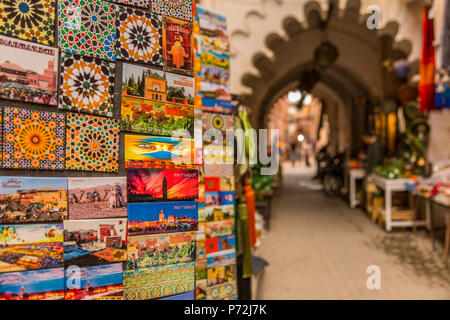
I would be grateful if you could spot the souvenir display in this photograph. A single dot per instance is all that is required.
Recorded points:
(162, 217)
(32, 20)
(93, 198)
(200, 289)
(216, 91)
(180, 89)
(87, 85)
(26, 199)
(92, 143)
(180, 9)
(139, 36)
(177, 46)
(212, 24)
(214, 75)
(201, 270)
(214, 59)
(28, 71)
(212, 184)
(156, 282)
(218, 170)
(95, 283)
(145, 185)
(226, 183)
(94, 242)
(31, 246)
(46, 284)
(219, 228)
(158, 152)
(160, 249)
(87, 28)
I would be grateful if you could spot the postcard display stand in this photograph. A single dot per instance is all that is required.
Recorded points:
(216, 243)
(97, 200)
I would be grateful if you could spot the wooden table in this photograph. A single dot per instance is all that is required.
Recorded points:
(389, 186)
(355, 174)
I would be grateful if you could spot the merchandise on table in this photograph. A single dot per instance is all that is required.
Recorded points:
(29, 71)
(27, 199)
(93, 198)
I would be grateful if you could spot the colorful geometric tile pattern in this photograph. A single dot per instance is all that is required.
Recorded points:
(180, 9)
(92, 143)
(136, 3)
(33, 139)
(32, 20)
(139, 36)
(156, 282)
(87, 85)
(87, 27)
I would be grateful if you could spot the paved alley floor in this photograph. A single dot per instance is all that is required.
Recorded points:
(319, 248)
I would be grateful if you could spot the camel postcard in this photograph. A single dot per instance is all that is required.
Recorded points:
(27, 200)
(93, 198)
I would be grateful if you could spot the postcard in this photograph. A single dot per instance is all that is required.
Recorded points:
(226, 198)
(212, 184)
(215, 91)
(218, 170)
(143, 284)
(200, 269)
(214, 43)
(31, 246)
(201, 249)
(144, 82)
(227, 183)
(220, 243)
(178, 49)
(211, 198)
(180, 89)
(155, 117)
(27, 199)
(211, 22)
(182, 296)
(29, 71)
(94, 283)
(158, 152)
(219, 213)
(221, 258)
(216, 121)
(214, 105)
(220, 275)
(221, 291)
(160, 249)
(200, 289)
(93, 198)
(219, 228)
(162, 217)
(214, 59)
(146, 185)
(95, 241)
(210, 74)
(46, 284)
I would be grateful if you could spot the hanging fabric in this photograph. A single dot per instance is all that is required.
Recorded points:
(427, 63)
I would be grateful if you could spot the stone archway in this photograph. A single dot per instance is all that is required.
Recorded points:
(358, 71)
